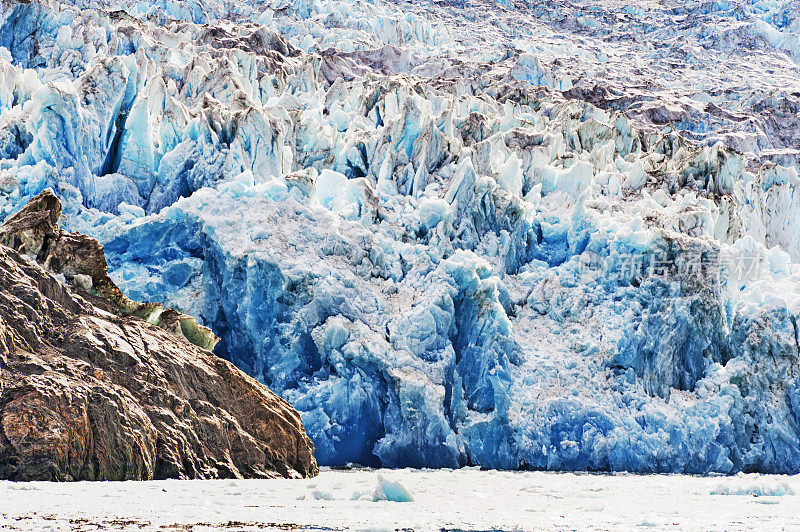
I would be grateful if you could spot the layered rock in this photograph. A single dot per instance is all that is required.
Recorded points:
(81, 261)
(89, 392)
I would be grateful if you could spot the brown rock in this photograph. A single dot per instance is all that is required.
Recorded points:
(34, 231)
(88, 392)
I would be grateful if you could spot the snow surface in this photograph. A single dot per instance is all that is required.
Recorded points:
(521, 235)
(463, 499)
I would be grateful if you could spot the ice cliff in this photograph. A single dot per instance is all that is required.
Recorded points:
(515, 234)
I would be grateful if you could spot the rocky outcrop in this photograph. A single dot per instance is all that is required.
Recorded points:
(81, 261)
(89, 392)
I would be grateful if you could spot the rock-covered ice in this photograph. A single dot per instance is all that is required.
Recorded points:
(509, 234)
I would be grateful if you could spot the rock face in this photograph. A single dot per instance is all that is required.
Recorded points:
(89, 393)
(81, 261)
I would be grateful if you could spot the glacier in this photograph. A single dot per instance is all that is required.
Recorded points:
(515, 235)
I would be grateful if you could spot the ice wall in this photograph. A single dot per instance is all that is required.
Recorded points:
(443, 246)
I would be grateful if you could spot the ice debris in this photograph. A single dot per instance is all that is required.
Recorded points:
(391, 490)
(387, 489)
(771, 488)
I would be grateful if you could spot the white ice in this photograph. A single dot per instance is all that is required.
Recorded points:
(464, 499)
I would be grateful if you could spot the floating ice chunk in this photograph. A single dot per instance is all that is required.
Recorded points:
(322, 495)
(391, 490)
(385, 490)
(758, 488)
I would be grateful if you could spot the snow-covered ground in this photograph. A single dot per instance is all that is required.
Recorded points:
(442, 500)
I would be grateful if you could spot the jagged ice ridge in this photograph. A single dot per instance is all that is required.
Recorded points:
(510, 234)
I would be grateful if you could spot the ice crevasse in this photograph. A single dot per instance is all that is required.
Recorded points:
(438, 263)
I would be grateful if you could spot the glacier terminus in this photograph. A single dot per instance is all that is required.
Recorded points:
(515, 234)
